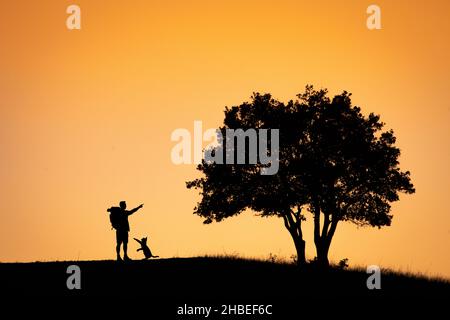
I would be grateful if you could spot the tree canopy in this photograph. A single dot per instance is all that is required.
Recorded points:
(334, 162)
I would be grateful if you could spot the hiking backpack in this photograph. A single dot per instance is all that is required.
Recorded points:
(114, 217)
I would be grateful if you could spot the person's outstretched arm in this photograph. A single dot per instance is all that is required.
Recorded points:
(135, 209)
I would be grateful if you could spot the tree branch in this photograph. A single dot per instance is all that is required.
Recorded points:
(286, 222)
(292, 223)
(334, 223)
(326, 223)
(317, 225)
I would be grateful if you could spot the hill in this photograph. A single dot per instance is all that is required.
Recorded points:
(204, 276)
(181, 281)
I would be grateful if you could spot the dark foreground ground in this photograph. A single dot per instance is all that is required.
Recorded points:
(168, 284)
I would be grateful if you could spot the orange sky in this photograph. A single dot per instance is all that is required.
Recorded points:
(86, 118)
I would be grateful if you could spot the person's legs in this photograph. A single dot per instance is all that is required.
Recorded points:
(125, 246)
(118, 243)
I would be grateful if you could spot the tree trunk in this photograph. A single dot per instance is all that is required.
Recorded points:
(322, 253)
(300, 245)
(292, 222)
(322, 240)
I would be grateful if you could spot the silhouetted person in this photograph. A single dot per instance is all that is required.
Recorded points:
(119, 221)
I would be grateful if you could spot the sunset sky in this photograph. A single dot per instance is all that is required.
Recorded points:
(86, 117)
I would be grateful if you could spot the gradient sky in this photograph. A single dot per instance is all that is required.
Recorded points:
(86, 118)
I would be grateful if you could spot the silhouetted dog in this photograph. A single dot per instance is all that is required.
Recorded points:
(147, 253)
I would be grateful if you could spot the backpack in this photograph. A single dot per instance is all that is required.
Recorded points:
(114, 217)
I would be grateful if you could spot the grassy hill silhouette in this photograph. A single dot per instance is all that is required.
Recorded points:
(207, 277)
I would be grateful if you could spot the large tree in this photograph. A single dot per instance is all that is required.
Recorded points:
(333, 162)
